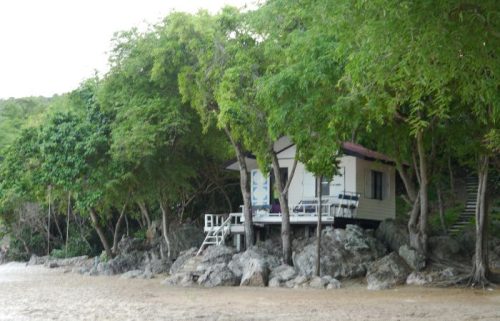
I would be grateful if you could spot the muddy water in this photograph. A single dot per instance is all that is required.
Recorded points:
(36, 293)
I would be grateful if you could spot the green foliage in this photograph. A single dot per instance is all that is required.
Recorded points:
(25, 244)
(451, 216)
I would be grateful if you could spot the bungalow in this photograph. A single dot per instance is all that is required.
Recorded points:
(362, 192)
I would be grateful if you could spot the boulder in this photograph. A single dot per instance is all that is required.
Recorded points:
(392, 235)
(255, 273)
(297, 282)
(253, 266)
(218, 275)
(180, 279)
(318, 282)
(281, 274)
(181, 260)
(413, 258)
(443, 247)
(344, 253)
(38, 260)
(105, 268)
(132, 274)
(334, 284)
(217, 254)
(418, 278)
(387, 272)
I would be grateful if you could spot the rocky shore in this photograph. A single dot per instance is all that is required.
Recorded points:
(381, 258)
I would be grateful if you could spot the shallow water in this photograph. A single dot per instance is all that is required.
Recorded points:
(36, 293)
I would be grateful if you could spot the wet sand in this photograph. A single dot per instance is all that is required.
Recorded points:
(37, 293)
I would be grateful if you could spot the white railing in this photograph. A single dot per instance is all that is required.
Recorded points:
(219, 227)
(343, 205)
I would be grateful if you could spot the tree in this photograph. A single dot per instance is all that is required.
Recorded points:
(298, 89)
(155, 135)
(208, 40)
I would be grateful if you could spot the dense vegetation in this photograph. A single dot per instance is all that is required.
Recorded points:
(417, 80)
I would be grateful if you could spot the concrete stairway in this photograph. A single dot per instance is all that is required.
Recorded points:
(471, 184)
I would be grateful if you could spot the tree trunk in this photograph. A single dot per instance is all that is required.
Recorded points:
(441, 208)
(424, 200)
(100, 233)
(480, 269)
(452, 181)
(285, 211)
(145, 213)
(48, 225)
(318, 229)
(164, 228)
(67, 223)
(117, 228)
(58, 227)
(126, 225)
(407, 182)
(245, 190)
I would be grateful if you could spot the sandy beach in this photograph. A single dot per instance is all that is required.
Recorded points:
(38, 293)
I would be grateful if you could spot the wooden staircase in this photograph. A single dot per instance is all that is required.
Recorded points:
(465, 218)
(216, 235)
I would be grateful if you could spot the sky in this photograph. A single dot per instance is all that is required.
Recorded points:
(49, 47)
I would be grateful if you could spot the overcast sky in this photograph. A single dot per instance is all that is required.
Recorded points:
(48, 47)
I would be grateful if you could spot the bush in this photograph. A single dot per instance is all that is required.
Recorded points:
(451, 216)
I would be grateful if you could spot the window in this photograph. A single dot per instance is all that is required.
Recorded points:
(325, 186)
(377, 185)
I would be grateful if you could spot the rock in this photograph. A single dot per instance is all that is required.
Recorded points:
(131, 274)
(334, 284)
(494, 259)
(181, 260)
(466, 240)
(443, 247)
(217, 254)
(355, 239)
(218, 275)
(156, 265)
(129, 244)
(105, 268)
(180, 279)
(318, 282)
(392, 235)
(297, 282)
(255, 273)
(253, 266)
(51, 265)
(448, 273)
(283, 273)
(414, 259)
(386, 272)
(38, 260)
(345, 253)
(274, 283)
(418, 278)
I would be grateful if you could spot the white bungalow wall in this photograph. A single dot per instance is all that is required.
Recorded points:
(354, 176)
(374, 209)
(303, 185)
